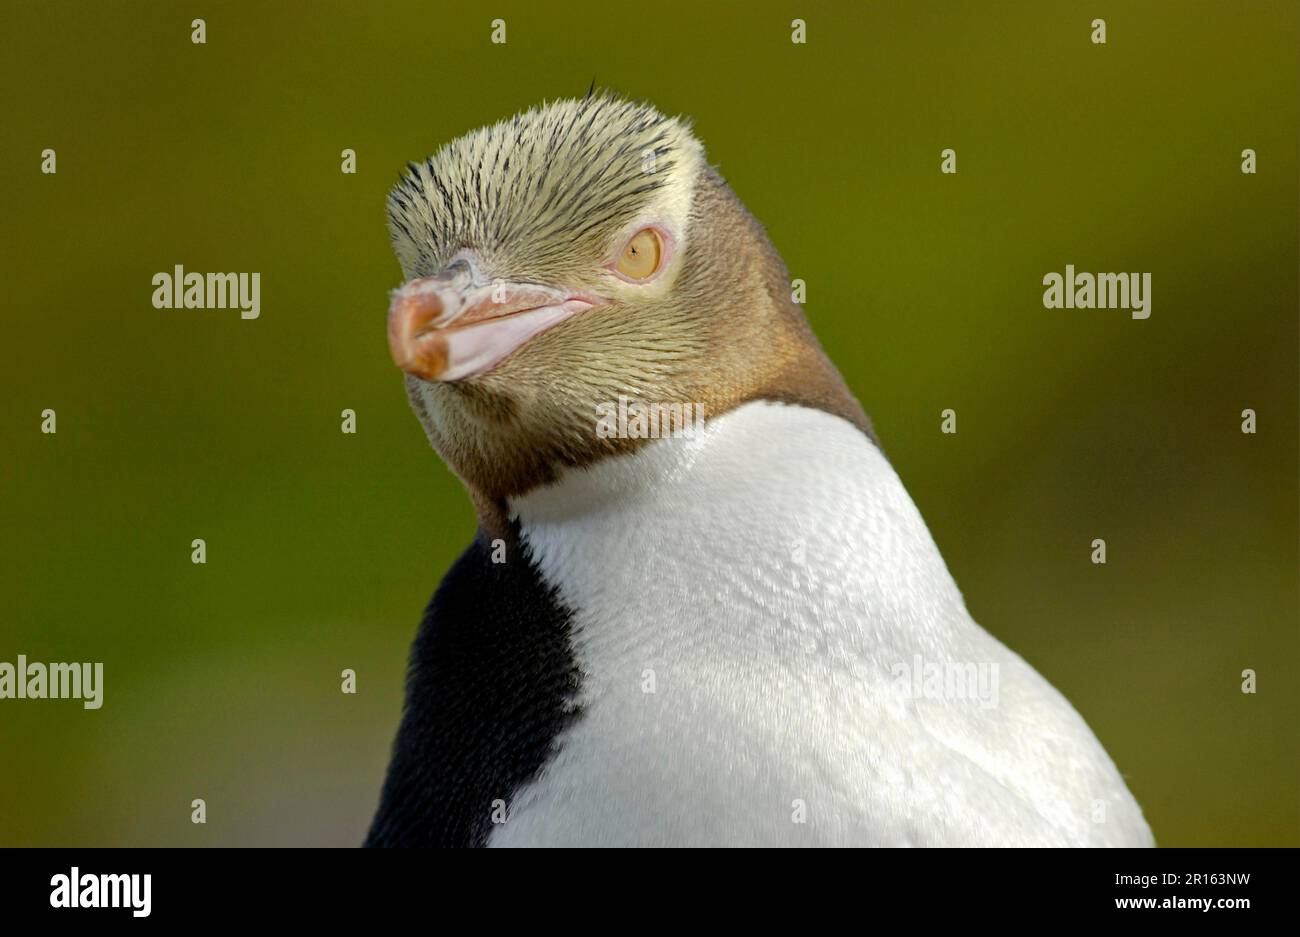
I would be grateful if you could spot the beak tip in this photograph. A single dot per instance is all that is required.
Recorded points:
(416, 349)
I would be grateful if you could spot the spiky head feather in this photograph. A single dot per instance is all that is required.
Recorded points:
(545, 191)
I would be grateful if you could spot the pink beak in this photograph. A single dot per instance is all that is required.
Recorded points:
(444, 328)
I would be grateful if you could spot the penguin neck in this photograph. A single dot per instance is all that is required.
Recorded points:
(688, 475)
(759, 344)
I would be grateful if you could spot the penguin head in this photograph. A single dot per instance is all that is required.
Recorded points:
(575, 254)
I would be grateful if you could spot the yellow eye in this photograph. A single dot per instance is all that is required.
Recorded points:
(641, 256)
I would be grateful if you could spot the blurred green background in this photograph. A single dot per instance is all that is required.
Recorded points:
(222, 680)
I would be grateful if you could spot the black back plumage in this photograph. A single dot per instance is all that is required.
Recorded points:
(492, 683)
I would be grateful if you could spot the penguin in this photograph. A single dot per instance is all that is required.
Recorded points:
(733, 630)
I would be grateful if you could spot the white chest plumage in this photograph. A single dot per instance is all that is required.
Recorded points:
(759, 616)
